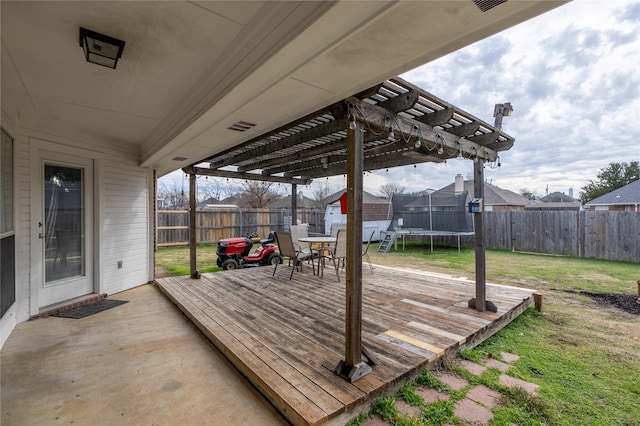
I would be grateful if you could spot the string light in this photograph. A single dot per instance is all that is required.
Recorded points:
(460, 157)
(441, 149)
(392, 135)
(352, 122)
(418, 142)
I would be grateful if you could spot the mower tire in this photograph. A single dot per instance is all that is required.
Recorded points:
(273, 259)
(229, 265)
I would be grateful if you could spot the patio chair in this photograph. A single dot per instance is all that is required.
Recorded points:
(297, 232)
(285, 245)
(365, 252)
(339, 253)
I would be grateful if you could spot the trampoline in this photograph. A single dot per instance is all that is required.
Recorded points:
(432, 214)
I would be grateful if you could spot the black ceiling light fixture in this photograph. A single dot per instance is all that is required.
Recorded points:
(100, 49)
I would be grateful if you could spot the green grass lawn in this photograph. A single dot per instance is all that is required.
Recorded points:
(176, 259)
(584, 357)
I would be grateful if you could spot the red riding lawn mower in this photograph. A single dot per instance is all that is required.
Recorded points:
(233, 253)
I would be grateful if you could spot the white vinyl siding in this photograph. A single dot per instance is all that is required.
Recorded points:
(125, 226)
(23, 227)
(121, 218)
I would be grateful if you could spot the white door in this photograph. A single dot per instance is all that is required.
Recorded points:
(66, 229)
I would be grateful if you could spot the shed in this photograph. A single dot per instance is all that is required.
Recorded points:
(376, 214)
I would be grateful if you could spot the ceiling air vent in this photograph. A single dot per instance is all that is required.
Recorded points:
(485, 5)
(179, 158)
(241, 126)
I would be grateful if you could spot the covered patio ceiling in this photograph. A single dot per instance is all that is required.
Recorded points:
(402, 123)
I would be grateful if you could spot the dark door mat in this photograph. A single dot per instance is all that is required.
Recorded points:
(90, 309)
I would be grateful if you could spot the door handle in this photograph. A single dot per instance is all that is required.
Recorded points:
(40, 235)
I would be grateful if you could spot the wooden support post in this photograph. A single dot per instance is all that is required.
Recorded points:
(352, 368)
(294, 204)
(194, 273)
(480, 302)
(537, 300)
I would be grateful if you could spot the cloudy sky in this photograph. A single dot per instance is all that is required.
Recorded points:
(572, 76)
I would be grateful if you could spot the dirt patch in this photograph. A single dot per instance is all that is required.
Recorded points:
(162, 272)
(626, 302)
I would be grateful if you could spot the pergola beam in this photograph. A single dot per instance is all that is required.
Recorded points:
(288, 164)
(377, 117)
(401, 102)
(248, 176)
(437, 118)
(397, 159)
(466, 129)
(315, 132)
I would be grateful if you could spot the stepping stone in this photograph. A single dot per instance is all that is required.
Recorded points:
(473, 367)
(473, 413)
(509, 357)
(409, 410)
(513, 382)
(375, 421)
(454, 382)
(431, 395)
(484, 395)
(494, 363)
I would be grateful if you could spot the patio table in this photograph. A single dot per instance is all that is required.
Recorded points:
(324, 243)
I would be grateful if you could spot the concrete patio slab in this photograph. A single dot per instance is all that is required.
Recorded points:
(139, 363)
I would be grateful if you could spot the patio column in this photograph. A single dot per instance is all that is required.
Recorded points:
(192, 227)
(352, 367)
(294, 204)
(480, 302)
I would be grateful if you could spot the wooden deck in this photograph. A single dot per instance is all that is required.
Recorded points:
(286, 336)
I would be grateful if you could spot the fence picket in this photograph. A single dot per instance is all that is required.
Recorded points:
(590, 234)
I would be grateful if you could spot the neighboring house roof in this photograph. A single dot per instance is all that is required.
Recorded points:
(285, 203)
(493, 195)
(626, 195)
(557, 197)
(570, 205)
(226, 201)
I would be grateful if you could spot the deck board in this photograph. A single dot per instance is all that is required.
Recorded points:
(287, 336)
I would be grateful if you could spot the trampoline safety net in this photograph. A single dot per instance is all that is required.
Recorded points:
(437, 211)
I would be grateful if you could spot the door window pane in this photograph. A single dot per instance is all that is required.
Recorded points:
(64, 222)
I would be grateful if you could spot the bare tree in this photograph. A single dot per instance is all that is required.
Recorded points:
(257, 194)
(322, 191)
(174, 195)
(212, 188)
(389, 189)
(529, 194)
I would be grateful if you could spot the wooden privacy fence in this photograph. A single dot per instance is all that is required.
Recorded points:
(211, 226)
(590, 234)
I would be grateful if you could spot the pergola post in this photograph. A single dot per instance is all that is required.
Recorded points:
(294, 204)
(480, 302)
(352, 367)
(192, 227)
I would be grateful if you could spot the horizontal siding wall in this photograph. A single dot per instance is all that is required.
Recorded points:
(125, 225)
(23, 177)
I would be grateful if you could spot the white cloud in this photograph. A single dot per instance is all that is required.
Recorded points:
(573, 78)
